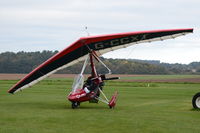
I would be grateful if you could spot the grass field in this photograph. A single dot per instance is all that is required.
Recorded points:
(159, 108)
(147, 77)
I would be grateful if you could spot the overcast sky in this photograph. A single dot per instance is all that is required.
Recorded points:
(36, 25)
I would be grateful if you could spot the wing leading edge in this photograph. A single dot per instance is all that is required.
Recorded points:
(101, 44)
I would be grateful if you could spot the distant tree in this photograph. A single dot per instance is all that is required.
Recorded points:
(24, 62)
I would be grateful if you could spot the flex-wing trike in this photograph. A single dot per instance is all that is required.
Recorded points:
(89, 47)
(91, 89)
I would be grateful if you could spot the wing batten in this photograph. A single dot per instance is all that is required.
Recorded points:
(103, 44)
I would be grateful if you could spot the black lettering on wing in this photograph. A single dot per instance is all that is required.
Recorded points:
(98, 45)
(144, 37)
(125, 40)
(134, 38)
(114, 42)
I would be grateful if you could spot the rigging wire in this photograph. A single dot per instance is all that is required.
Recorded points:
(109, 71)
(129, 52)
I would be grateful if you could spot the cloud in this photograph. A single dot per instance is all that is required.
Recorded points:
(52, 25)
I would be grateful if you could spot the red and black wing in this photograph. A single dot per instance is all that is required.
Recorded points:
(101, 44)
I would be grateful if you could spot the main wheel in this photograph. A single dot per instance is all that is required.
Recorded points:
(75, 105)
(196, 101)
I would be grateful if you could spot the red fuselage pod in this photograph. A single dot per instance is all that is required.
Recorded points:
(78, 96)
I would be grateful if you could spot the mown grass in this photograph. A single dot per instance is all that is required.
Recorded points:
(158, 77)
(154, 108)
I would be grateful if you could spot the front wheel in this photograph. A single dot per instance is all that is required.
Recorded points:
(75, 105)
(196, 101)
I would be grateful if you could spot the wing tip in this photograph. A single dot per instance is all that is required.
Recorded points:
(10, 91)
(189, 29)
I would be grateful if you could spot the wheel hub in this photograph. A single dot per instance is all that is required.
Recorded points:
(198, 102)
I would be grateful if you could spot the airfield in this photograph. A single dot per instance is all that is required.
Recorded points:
(146, 104)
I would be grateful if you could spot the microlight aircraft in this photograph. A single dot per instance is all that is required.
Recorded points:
(91, 47)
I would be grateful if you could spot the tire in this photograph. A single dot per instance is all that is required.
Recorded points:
(75, 105)
(196, 101)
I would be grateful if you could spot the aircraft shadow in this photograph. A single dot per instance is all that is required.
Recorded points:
(54, 106)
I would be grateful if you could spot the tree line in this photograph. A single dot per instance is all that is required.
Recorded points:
(24, 62)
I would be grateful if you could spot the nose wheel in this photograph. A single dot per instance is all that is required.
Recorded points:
(75, 105)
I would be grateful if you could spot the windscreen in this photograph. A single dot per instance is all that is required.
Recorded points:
(78, 82)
